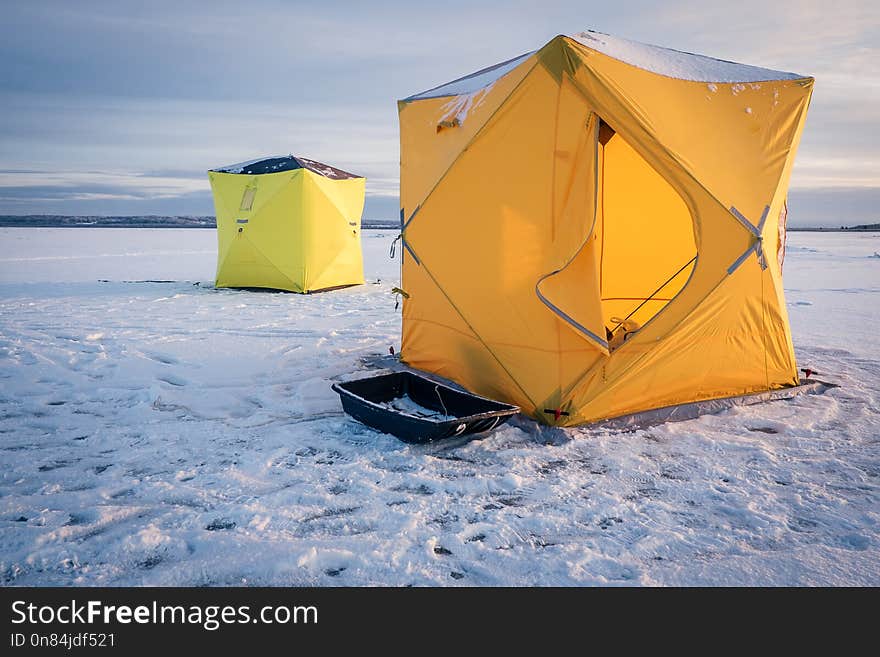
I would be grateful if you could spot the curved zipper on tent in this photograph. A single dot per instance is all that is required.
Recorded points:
(676, 162)
(663, 168)
(593, 122)
(566, 318)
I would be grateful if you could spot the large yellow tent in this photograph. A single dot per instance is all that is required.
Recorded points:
(287, 223)
(596, 228)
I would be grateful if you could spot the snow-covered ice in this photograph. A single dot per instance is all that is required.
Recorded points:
(170, 433)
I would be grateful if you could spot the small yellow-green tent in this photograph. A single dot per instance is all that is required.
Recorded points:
(596, 228)
(287, 223)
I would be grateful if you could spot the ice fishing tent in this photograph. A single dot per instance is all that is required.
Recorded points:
(595, 228)
(287, 223)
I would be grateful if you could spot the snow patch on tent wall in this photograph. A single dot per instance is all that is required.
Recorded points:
(677, 64)
(457, 109)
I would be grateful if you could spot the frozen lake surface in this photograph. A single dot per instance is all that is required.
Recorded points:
(169, 433)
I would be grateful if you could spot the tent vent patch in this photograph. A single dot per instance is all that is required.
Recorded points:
(247, 199)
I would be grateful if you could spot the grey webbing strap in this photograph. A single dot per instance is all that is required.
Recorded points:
(757, 232)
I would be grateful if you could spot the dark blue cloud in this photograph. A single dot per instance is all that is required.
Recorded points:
(841, 206)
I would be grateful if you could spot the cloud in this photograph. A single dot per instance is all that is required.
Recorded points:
(73, 183)
(786, 34)
(164, 149)
(839, 172)
(28, 191)
(94, 185)
(126, 101)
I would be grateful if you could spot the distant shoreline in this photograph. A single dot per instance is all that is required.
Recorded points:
(364, 226)
(186, 221)
(64, 221)
(852, 229)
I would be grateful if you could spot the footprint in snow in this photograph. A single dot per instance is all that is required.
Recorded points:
(48, 467)
(551, 467)
(509, 500)
(421, 489)
(220, 524)
(855, 542)
(674, 474)
(802, 524)
(165, 359)
(173, 380)
(444, 519)
(78, 519)
(539, 541)
(332, 513)
(150, 562)
(331, 457)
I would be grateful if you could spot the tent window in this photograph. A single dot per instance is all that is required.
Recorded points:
(247, 199)
(647, 247)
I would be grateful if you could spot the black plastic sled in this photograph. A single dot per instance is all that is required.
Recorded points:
(419, 410)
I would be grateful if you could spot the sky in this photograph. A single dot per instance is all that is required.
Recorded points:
(119, 107)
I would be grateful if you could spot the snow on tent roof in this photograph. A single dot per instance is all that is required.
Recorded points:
(475, 81)
(278, 163)
(675, 63)
(663, 61)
